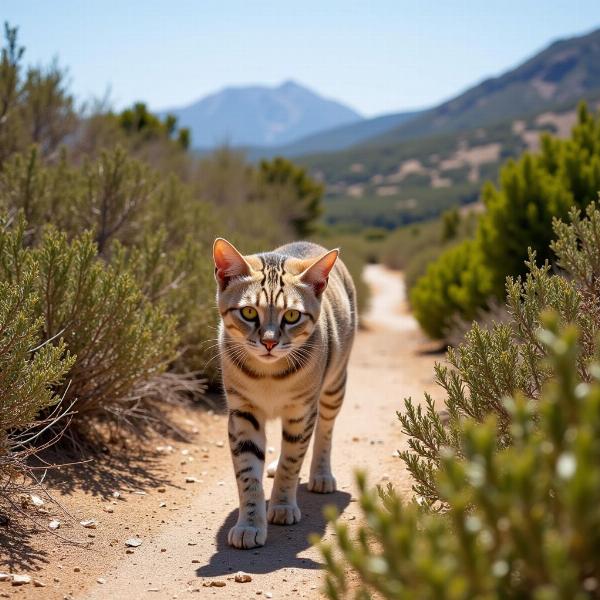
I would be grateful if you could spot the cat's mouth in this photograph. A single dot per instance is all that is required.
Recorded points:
(270, 356)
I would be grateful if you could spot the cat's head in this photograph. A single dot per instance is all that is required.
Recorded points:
(269, 303)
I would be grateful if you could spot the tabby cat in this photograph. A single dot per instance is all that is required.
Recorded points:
(288, 323)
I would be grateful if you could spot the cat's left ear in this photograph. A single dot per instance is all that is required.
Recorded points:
(229, 263)
(317, 274)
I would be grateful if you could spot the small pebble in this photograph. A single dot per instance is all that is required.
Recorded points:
(241, 577)
(36, 500)
(89, 523)
(21, 579)
(133, 542)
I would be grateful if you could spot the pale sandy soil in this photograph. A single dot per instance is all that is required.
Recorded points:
(183, 526)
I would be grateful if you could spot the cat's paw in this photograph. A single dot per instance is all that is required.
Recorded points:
(284, 514)
(322, 483)
(272, 468)
(247, 536)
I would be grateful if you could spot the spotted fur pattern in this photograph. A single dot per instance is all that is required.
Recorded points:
(272, 368)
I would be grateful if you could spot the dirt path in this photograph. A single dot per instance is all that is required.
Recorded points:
(183, 526)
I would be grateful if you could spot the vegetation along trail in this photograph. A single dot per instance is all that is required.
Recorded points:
(187, 554)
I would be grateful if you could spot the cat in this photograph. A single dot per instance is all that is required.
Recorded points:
(288, 319)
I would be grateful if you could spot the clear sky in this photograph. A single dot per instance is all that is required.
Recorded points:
(378, 56)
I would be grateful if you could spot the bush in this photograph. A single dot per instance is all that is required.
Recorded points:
(35, 107)
(156, 224)
(522, 522)
(30, 371)
(456, 283)
(281, 178)
(519, 213)
(495, 363)
(119, 341)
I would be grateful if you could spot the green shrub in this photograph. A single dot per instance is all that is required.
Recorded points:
(35, 106)
(492, 364)
(118, 339)
(418, 264)
(157, 224)
(519, 213)
(30, 371)
(280, 178)
(139, 121)
(521, 522)
(456, 283)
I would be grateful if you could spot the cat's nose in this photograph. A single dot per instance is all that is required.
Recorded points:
(269, 344)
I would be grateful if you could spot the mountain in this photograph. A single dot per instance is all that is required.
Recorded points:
(442, 156)
(565, 72)
(337, 138)
(261, 116)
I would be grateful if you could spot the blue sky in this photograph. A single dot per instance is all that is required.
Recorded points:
(378, 56)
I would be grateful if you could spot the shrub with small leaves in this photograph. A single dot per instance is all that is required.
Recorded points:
(522, 521)
(456, 283)
(35, 104)
(494, 363)
(119, 340)
(30, 371)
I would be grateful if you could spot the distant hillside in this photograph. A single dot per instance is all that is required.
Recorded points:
(565, 72)
(261, 116)
(441, 157)
(337, 138)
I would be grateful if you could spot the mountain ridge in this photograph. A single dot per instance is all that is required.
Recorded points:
(259, 115)
(567, 70)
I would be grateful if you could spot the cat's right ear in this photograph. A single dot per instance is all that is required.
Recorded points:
(229, 263)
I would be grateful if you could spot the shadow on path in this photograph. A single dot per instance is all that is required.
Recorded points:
(284, 543)
(107, 473)
(18, 548)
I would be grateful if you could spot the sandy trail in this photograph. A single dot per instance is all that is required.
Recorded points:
(184, 546)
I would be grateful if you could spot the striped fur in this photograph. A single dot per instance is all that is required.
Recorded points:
(276, 369)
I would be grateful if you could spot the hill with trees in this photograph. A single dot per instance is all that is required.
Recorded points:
(441, 156)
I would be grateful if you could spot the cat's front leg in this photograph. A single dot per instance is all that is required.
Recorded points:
(297, 426)
(247, 442)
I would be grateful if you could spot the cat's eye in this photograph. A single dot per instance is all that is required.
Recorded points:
(291, 316)
(249, 313)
